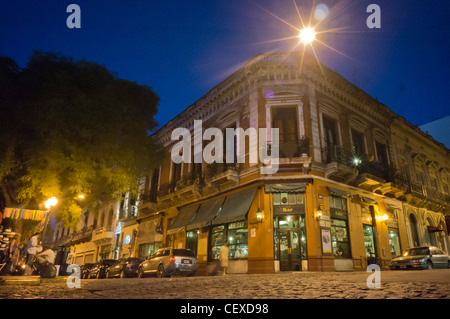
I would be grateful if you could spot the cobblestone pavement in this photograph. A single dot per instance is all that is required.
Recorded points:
(284, 285)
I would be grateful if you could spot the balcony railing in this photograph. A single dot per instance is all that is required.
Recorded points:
(291, 149)
(335, 153)
(130, 212)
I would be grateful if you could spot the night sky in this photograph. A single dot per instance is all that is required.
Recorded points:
(182, 49)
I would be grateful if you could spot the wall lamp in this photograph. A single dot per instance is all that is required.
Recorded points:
(259, 217)
(382, 218)
(319, 212)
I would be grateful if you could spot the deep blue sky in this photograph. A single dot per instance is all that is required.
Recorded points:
(184, 48)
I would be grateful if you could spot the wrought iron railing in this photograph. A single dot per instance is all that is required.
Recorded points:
(335, 153)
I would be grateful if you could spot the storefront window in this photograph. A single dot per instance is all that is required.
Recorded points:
(288, 199)
(238, 239)
(338, 202)
(339, 227)
(394, 242)
(237, 236)
(340, 239)
(287, 222)
(368, 240)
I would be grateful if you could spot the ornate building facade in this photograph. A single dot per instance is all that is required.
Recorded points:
(355, 184)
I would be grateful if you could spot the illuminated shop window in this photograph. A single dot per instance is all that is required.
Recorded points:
(369, 242)
(237, 236)
(340, 239)
(339, 227)
(394, 242)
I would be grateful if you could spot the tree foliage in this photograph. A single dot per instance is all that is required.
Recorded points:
(72, 127)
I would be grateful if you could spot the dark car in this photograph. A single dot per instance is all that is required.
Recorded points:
(100, 268)
(84, 270)
(124, 267)
(426, 257)
(169, 261)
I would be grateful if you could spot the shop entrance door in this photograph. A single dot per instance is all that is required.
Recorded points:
(289, 250)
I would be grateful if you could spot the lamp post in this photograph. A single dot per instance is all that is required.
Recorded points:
(51, 202)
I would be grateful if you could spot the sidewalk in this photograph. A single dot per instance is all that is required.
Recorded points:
(28, 280)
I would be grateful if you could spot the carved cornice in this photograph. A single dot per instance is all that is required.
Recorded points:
(278, 69)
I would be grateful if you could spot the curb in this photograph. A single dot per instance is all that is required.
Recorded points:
(29, 280)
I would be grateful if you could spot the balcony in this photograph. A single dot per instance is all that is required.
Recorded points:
(128, 212)
(294, 149)
(81, 236)
(103, 235)
(339, 164)
(218, 173)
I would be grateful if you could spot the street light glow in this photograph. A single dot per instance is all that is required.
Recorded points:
(307, 35)
(52, 201)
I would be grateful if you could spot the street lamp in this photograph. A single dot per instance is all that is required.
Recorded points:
(51, 202)
(307, 35)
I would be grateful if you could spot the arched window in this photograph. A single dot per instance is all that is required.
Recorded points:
(110, 218)
(413, 226)
(102, 219)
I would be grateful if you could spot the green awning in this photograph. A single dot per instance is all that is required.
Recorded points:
(183, 219)
(338, 192)
(285, 188)
(235, 207)
(206, 213)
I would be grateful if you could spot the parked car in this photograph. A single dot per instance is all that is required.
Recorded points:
(169, 261)
(84, 270)
(425, 257)
(100, 268)
(124, 267)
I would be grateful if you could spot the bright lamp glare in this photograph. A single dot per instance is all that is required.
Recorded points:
(51, 202)
(307, 35)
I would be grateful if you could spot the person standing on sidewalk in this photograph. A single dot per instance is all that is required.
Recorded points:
(32, 248)
(223, 257)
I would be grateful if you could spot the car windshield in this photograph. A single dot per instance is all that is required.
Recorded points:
(109, 262)
(416, 252)
(183, 252)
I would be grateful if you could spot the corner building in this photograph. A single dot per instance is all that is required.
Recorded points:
(334, 204)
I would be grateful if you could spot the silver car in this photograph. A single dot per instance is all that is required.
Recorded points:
(169, 261)
(426, 257)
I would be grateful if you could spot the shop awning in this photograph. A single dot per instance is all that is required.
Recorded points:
(148, 231)
(338, 192)
(367, 200)
(183, 219)
(285, 188)
(235, 207)
(206, 213)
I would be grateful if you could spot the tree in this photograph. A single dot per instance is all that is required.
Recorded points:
(72, 127)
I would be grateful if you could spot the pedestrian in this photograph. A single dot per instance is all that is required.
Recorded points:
(223, 257)
(33, 248)
(47, 255)
(13, 256)
(45, 263)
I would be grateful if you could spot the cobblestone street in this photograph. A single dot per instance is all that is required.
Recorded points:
(433, 284)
